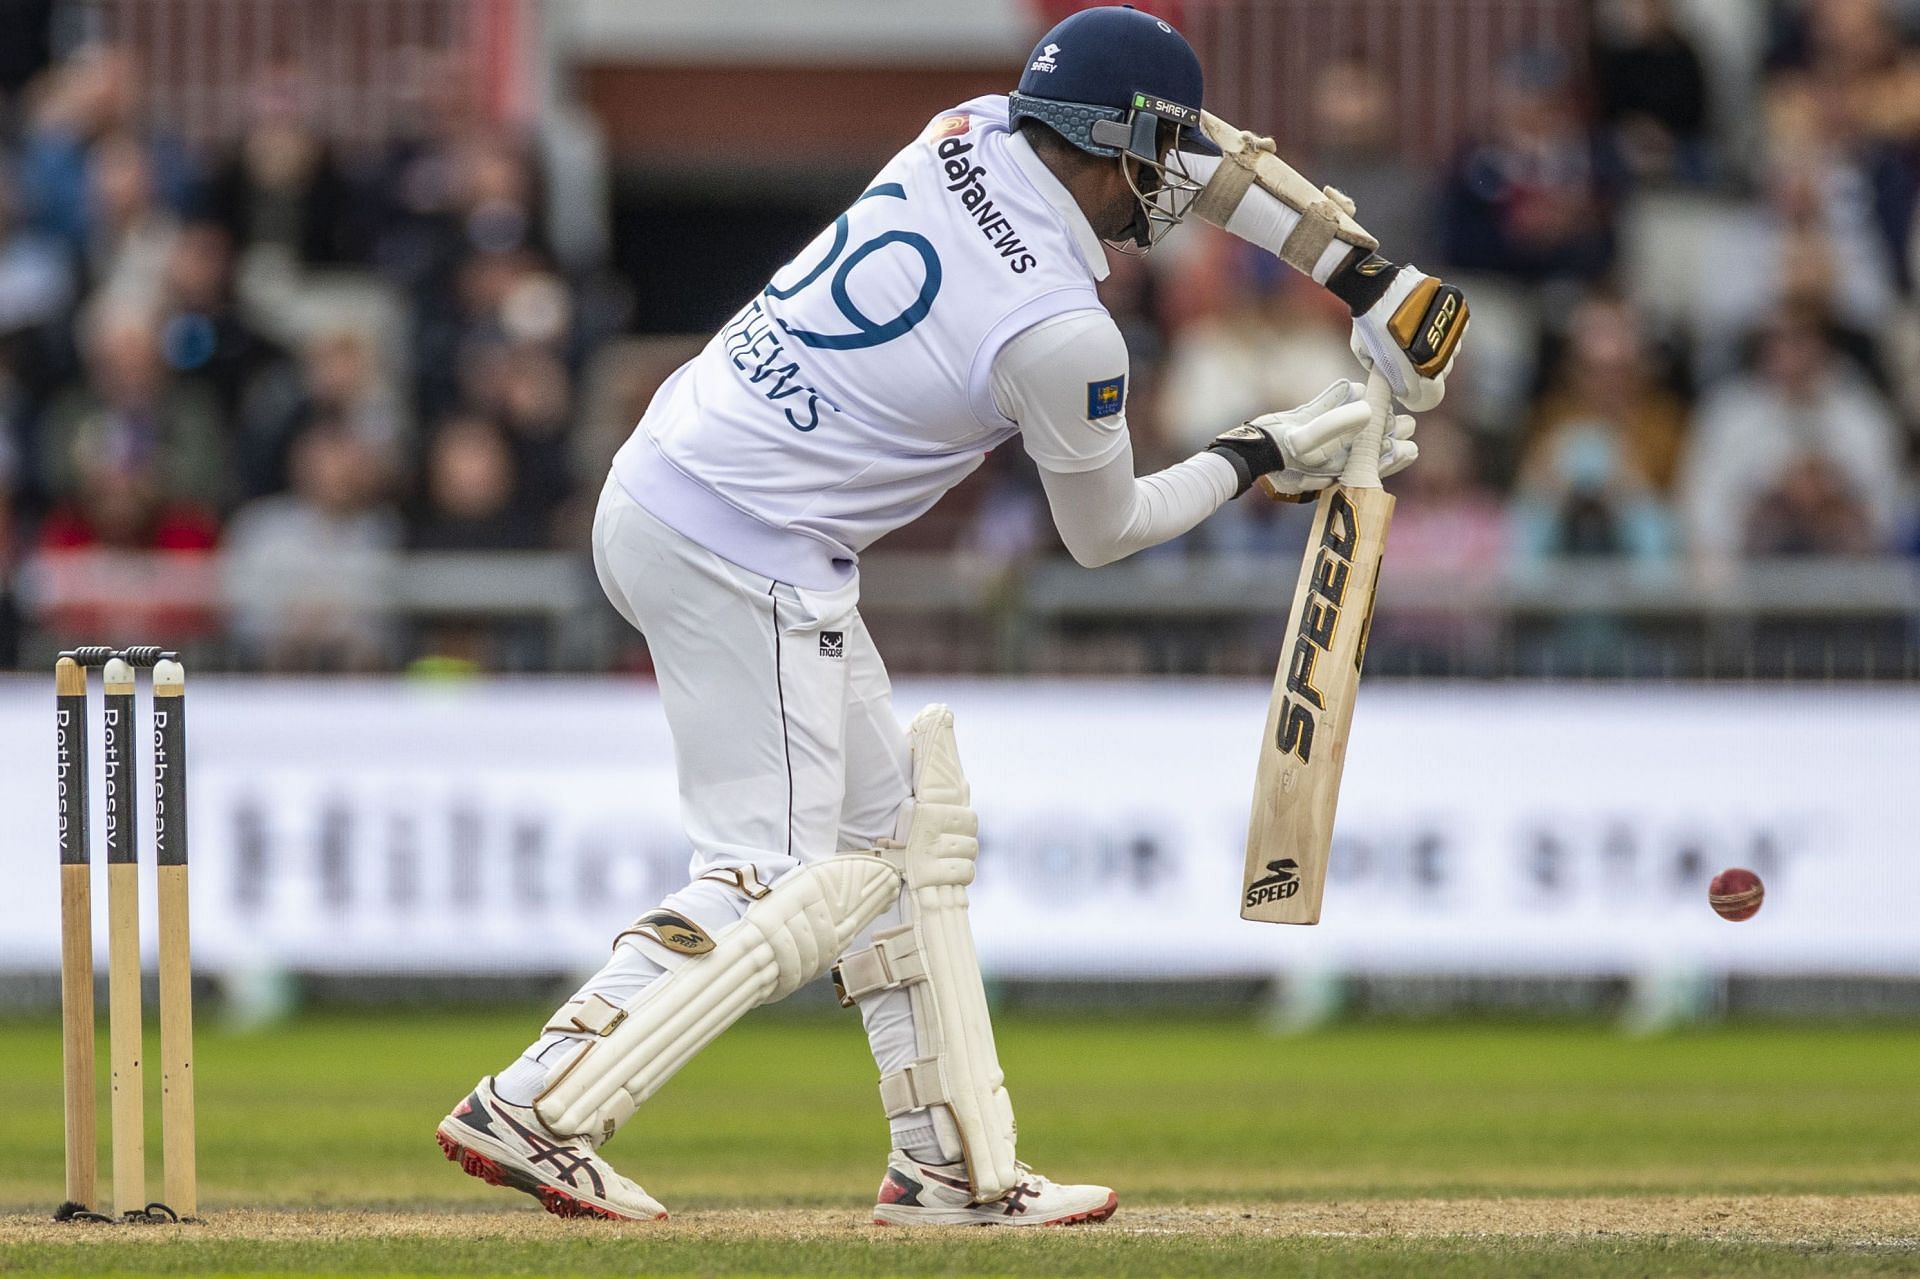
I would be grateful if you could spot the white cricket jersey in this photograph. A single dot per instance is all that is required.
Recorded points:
(856, 388)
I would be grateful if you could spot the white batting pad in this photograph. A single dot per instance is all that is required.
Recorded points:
(957, 1077)
(787, 937)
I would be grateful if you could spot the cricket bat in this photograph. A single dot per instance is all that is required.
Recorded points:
(1304, 750)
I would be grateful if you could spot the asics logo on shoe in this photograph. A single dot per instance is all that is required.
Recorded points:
(1016, 1199)
(567, 1164)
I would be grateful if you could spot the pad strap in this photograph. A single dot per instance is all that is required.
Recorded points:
(586, 1015)
(915, 1086)
(891, 962)
(744, 880)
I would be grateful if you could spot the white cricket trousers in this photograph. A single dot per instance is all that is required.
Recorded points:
(784, 737)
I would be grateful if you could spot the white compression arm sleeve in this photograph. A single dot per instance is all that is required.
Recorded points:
(1263, 219)
(1050, 380)
(1108, 514)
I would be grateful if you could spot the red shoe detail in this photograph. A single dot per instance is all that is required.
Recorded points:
(1101, 1213)
(897, 1187)
(471, 1162)
(561, 1204)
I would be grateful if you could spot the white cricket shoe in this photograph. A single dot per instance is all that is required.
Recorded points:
(917, 1194)
(505, 1145)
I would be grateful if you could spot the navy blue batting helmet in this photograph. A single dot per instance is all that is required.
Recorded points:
(1106, 79)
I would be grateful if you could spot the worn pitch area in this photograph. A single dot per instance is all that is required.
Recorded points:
(1892, 1220)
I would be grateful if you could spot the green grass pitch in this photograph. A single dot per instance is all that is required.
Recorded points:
(1432, 1151)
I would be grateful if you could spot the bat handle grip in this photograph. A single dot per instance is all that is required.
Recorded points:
(1363, 463)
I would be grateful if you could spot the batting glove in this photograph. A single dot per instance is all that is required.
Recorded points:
(1406, 323)
(1301, 451)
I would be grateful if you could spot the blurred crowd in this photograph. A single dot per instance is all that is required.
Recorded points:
(1694, 335)
(311, 356)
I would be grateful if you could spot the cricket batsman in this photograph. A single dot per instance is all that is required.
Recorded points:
(950, 309)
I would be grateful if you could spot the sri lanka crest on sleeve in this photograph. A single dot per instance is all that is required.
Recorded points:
(1105, 399)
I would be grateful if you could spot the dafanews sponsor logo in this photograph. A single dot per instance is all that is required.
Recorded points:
(1319, 619)
(967, 180)
(1281, 881)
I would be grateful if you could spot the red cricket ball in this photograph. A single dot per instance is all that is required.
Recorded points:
(1736, 894)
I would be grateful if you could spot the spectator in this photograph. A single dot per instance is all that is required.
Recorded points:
(1753, 434)
(1583, 495)
(279, 186)
(1810, 243)
(93, 95)
(37, 285)
(1354, 151)
(438, 173)
(1535, 198)
(1652, 90)
(308, 570)
(527, 388)
(450, 337)
(120, 502)
(341, 378)
(203, 334)
(130, 235)
(1846, 82)
(132, 408)
(470, 502)
(1813, 511)
(1606, 384)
